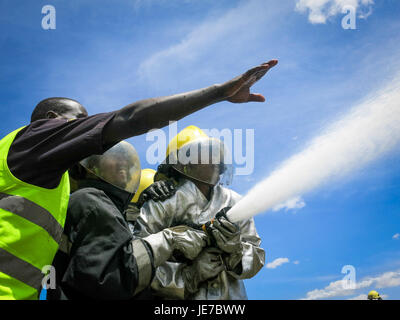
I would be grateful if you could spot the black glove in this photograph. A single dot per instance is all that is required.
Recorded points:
(226, 236)
(159, 191)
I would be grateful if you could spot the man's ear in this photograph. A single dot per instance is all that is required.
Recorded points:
(51, 115)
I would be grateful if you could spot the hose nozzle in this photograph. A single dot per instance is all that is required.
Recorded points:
(221, 213)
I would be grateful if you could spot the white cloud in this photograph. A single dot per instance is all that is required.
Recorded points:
(338, 288)
(359, 297)
(294, 203)
(396, 236)
(196, 43)
(365, 297)
(296, 262)
(276, 263)
(319, 11)
(221, 36)
(388, 279)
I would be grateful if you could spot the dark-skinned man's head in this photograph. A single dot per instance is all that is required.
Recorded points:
(63, 108)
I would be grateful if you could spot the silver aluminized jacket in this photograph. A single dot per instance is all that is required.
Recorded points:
(189, 205)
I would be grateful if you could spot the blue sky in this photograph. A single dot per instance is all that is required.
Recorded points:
(108, 54)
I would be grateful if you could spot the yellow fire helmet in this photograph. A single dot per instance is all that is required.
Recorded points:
(146, 180)
(196, 155)
(374, 295)
(189, 134)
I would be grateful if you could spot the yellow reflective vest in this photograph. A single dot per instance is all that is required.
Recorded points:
(31, 225)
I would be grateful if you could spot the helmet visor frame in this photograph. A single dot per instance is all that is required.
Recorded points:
(118, 166)
(206, 160)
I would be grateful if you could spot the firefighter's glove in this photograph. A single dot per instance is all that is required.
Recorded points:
(226, 235)
(188, 241)
(206, 266)
(159, 191)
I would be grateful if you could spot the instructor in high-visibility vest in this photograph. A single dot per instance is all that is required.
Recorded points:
(34, 161)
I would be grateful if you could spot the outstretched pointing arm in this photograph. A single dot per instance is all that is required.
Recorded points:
(141, 116)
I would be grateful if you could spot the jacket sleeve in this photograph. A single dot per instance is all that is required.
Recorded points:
(153, 218)
(253, 258)
(106, 262)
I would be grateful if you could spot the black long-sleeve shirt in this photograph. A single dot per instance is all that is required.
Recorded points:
(45, 149)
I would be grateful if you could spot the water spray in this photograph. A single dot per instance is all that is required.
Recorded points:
(368, 131)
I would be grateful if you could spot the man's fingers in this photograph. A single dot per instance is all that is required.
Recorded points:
(272, 63)
(238, 89)
(255, 74)
(256, 97)
(262, 69)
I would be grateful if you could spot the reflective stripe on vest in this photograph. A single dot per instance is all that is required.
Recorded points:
(20, 270)
(32, 212)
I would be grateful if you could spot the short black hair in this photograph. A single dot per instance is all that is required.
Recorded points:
(56, 104)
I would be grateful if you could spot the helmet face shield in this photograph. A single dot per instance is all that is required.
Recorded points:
(206, 160)
(118, 166)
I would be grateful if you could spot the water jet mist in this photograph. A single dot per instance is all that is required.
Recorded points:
(370, 130)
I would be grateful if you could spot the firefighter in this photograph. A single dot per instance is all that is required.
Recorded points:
(104, 260)
(218, 271)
